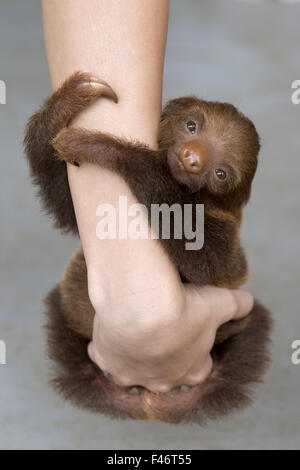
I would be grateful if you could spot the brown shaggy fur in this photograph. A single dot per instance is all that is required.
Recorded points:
(222, 138)
(239, 364)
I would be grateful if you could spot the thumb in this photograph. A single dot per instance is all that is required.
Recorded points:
(227, 304)
(244, 303)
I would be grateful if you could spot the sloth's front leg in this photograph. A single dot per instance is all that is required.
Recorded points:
(78, 146)
(143, 169)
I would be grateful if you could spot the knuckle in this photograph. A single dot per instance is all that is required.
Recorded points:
(96, 292)
(152, 323)
(196, 379)
(200, 376)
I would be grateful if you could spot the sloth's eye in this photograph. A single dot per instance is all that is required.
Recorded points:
(191, 126)
(221, 174)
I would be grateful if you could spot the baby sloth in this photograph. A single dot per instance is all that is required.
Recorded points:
(207, 155)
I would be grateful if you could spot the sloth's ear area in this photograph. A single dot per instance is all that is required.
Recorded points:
(178, 105)
(174, 112)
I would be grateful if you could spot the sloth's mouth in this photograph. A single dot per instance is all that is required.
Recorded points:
(188, 181)
(179, 163)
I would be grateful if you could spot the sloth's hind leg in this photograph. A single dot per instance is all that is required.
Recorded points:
(48, 172)
(76, 93)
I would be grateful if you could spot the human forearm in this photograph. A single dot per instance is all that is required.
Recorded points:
(136, 291)
(123, 43)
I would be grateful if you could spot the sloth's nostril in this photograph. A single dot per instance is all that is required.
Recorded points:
(191, 160)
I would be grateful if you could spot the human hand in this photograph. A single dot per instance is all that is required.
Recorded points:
(170, 350)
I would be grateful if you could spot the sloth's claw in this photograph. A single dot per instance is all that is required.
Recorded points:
(100, 85)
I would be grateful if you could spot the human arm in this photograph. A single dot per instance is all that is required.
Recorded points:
(131, 282)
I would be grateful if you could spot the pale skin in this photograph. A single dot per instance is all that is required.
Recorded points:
(149, 329)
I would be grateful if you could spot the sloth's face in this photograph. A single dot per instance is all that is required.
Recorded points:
(209, 145)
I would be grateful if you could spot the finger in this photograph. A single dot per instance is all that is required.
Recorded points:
(123, 381)
(199, 372)
(91, 351)
(196, 375)
(245, 302)
(224, 304)
(159, 387)
(95, 356)
(235, 304)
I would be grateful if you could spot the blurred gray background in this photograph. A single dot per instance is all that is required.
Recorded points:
(246, 53)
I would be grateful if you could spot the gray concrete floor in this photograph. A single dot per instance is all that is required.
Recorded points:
(244, 53)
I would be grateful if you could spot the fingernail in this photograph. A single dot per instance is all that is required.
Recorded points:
(106, 374)
(185, 388)
(134, 391)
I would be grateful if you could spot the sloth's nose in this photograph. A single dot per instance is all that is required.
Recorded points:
(191, 158)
